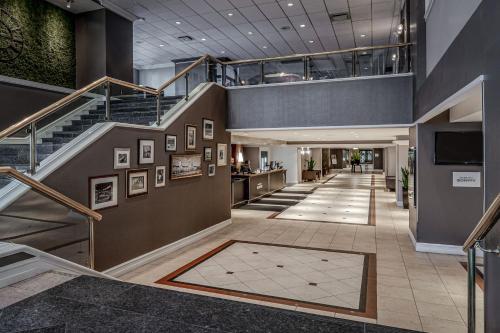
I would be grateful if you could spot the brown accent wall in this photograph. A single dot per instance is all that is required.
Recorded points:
(183, 207)
(252, 154)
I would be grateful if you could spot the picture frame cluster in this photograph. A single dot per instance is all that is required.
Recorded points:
(103, 190)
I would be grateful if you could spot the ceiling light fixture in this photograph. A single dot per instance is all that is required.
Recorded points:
(290, 4)
(264, 47)
(203, 39)
(177, 22)
(69, 3)
(362, 35)
(311, 41)
(250, 33)
(222, 52)
(141, 19)
(230, 14)
(302, 25)
(162, 45)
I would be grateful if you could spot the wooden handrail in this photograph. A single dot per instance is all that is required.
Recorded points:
(51, 193)
(183, 72)
(487, 222)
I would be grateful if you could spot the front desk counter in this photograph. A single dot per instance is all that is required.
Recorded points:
(250, 187)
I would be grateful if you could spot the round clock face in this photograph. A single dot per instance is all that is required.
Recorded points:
(11, 37)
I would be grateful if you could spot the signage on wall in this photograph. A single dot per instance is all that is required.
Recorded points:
(466, 179)
(260, 186)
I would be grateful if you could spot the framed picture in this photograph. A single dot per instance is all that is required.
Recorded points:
(208, 129)
(170, 142)
(185, 166)
(122, 158)
(160, 176)
(207, 153)
(137, 182)
(103, 192)
(146, 151)
(211, 170)
(190, 137)
(221, 154)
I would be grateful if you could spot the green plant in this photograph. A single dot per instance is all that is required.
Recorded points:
(310, 164)
(404, 177)
(356, 156)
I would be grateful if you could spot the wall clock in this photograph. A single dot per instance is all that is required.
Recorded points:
(11, 37)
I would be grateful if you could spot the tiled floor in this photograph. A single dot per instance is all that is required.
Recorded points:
(330, 280)
(419, 291)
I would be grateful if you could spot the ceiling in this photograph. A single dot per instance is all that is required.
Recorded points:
(339, 136)
(243, 29)
(77, 6)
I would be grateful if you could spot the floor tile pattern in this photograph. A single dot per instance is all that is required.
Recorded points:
(336, 279)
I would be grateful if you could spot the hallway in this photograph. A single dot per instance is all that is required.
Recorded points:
(398, 286)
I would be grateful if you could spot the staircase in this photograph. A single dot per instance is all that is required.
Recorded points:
(133, 109)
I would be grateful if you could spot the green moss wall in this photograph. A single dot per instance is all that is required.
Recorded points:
(48, 35)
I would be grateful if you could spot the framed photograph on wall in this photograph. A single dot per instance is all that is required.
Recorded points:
(122, 158)
(137, 182)
(208, 129)
(160, 176)
(211, 170)
(170, 142)
(146, 151)
(103, 192)
(207, 153)
(190, 140)
(185, 166)
(221, 154)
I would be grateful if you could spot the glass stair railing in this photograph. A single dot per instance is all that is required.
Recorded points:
(48, 221)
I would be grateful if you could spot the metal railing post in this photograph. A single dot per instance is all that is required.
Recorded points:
(207, 71)
(32, 131)
(224, 73)
(158, 108)
(306, 68)
(353, 61)
(91, 243)
(471, 289)
(261, 72)
(186, 78)
(108, 101)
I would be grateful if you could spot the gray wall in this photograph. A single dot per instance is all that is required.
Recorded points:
(371, 101)
(446, 214)
(181, 208)
(474, 52)
(104, 46)
(18, 102)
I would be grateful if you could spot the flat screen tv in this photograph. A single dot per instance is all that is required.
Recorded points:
(458, 148)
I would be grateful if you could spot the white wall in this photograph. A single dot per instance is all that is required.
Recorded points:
(444, 20)
(287, 155)
(390, 162)
(157, 76)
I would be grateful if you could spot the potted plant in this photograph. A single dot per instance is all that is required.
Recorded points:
(404, 182)
(309, 173)
(356, 157)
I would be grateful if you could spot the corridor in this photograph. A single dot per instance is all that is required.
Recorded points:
(323, 264)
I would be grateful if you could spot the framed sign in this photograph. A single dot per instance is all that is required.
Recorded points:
(466, 179)
(103, 192)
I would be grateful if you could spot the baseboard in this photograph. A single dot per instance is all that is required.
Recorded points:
(438, 248)
(132, 264)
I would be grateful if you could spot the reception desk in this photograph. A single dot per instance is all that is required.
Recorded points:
(249, 187)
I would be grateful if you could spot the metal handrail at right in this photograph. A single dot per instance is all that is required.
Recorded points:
(487, 222)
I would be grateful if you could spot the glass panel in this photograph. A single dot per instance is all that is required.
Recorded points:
(329, 67)
(15, 151)
(130, 106)
(37, 221)
(67, 123)
(247, 74)
(284, 71)
(231, 75)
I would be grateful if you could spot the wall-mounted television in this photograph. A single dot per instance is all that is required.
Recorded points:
(458, 148)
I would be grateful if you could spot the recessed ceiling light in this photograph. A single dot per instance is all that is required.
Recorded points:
(177, 22)
(365, 68)
(290, 4)
(302, 25)
(141, 19)
(264, 47)
(222, 52)
(162, 45)
(311, 41)
(230, 14)
(362, 35)
(250, 33)
(203, 39)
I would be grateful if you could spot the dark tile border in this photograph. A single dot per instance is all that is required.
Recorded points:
(368, 296)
